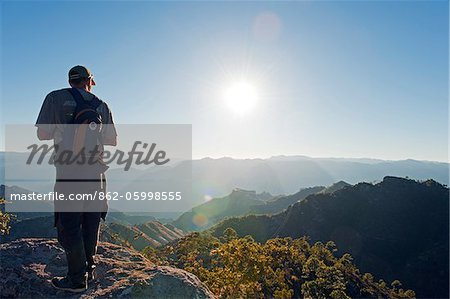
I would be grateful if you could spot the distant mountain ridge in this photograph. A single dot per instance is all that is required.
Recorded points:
(243, 202)
(218, 177)
(280, 203)
(335, 187)
(238, 202)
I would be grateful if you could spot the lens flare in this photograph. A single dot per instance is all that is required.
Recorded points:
(200, 220)
(267, 27)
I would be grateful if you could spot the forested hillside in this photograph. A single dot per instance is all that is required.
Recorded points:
(396, 229)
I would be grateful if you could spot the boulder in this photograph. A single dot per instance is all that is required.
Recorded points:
(27, 266)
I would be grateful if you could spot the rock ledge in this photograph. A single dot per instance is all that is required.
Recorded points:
(27, 266)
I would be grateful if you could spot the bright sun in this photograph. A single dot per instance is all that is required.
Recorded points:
(241, 98)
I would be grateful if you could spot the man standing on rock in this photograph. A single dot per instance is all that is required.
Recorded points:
(72, 117)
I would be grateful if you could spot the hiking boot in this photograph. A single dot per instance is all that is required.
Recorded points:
(65, 284)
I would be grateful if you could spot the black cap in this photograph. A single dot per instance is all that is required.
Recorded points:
(78, 72)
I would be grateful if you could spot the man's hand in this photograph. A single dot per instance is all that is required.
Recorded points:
(43, 135)
(112, 141)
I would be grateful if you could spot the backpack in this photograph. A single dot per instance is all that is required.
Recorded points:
(82, 135)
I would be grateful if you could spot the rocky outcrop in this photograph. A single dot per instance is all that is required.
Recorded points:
(27, 266)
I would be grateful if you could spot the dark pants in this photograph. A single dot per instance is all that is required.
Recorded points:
(77, 228)
(78, 235)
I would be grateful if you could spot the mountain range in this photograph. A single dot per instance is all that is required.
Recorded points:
(397, 229)
(243, 202)
(211, 178)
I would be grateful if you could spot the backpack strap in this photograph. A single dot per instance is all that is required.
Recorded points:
(76, 96)
(94, 103)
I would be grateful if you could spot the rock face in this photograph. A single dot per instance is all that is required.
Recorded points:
(27, 266)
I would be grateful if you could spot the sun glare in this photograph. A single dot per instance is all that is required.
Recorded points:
(241, 98)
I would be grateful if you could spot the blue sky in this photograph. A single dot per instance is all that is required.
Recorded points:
(333, 79)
